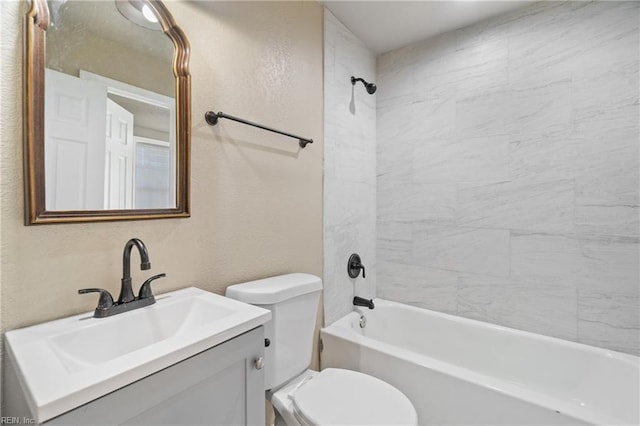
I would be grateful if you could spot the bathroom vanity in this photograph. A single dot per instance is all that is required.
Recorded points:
(219, 386)
(192, 358)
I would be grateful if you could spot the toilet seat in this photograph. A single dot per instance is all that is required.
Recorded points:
(344, 397)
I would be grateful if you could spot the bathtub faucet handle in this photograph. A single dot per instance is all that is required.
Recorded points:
(354, 266)
(361, 301)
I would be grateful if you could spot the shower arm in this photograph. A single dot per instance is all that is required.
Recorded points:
(370, 87)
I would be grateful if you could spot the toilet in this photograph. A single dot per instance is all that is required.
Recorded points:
(301, 396)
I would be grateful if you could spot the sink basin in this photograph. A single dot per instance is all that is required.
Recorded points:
(93, 344)
(66, 363)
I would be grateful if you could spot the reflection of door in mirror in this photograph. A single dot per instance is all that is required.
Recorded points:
(131, 165)
(74, 142)
(118, 179)
(143, 165)
(108, 71)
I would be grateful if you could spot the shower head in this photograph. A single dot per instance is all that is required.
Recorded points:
(371, 88)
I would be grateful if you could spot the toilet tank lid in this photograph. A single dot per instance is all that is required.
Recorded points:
(274, 289)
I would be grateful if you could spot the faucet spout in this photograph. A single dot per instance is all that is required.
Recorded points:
(126, 292)
(126, 301)
(360, 301)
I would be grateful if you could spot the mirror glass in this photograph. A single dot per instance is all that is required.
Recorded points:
(107, 108)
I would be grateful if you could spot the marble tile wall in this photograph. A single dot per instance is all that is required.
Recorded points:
(349, 168)
(507, 172)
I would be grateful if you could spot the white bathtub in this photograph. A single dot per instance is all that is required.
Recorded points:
(465, 372)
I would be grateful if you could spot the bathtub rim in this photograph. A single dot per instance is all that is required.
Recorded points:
(344, 329)
(622, 356)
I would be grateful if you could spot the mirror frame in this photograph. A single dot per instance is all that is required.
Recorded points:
(37, 22)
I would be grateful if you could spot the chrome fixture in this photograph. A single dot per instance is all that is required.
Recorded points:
(126, 301)
(363, 321)
(371, 88)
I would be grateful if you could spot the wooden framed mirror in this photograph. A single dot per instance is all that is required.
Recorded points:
(107, 110)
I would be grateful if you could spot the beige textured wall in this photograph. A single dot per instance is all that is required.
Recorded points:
(256, 201)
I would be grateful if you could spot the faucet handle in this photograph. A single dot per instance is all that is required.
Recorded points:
(354, 266)
(105, 301)
(145, 290)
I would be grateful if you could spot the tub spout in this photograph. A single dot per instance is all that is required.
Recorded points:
(361, 301)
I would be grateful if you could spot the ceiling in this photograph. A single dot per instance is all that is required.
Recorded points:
(387, 25)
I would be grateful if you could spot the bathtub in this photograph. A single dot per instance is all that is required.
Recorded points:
(466, 372)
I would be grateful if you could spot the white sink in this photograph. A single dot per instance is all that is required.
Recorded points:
(66, 363)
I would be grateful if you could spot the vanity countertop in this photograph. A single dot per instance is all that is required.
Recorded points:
(66, 363)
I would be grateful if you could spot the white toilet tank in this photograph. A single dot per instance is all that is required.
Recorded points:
(293, 302)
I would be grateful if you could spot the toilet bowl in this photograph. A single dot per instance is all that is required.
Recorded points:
(336, 396)
(305, 397)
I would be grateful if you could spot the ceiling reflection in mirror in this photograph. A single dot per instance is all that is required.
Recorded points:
(110, 109)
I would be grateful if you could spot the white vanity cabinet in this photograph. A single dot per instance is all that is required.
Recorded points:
(223, 385)
(190, 358)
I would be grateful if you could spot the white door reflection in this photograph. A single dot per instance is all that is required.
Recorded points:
(118, 179)
(74, 154)
(130, 166)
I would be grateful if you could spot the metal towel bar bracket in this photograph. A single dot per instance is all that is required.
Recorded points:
(212, 119)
